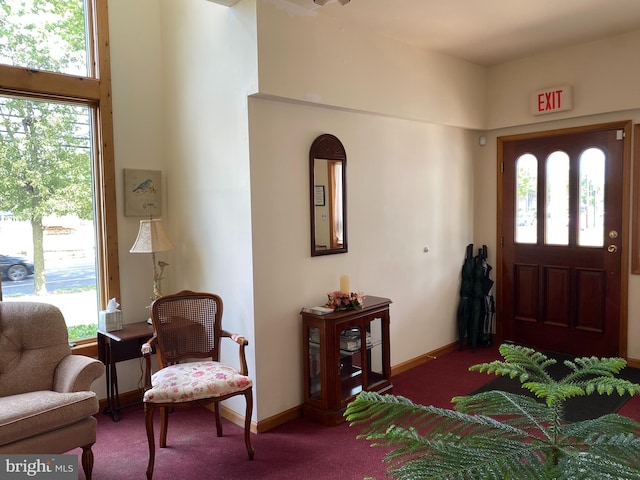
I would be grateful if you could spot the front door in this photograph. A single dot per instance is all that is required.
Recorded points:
(561, 233)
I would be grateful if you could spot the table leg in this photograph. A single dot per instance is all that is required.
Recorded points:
(119, 346)
(113, 402)
(116, 394)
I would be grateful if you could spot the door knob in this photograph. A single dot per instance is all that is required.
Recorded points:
(612, 249)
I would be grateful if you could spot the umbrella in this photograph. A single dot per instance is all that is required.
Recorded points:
(466, 294)
(487, 308)
(475, 311)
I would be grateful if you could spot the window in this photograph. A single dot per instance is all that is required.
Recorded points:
(56, 145)
(557, 199)
(592, 176)
(527, 199)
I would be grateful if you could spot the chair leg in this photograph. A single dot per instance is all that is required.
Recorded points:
(87, 461)
(216, 414)
(148, 421)
(247, 422)
(164, 425)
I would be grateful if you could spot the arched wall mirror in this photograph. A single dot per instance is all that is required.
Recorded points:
(328, 194)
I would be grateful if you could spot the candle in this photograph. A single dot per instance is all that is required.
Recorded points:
(344, 284)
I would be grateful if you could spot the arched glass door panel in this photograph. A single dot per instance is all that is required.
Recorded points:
(591, 219)
(556, 231)
(526, 199)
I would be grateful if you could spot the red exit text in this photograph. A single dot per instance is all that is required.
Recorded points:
(552, 100)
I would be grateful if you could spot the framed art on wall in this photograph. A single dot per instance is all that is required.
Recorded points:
(142, 193)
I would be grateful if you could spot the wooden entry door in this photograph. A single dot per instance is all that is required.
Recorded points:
(563, 266)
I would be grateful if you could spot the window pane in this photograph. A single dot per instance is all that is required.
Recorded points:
(527, 199)
(44, 35)
(46, 208)
(591, 223)
(557, 206)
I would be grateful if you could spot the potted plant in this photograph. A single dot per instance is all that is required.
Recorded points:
(501, 435)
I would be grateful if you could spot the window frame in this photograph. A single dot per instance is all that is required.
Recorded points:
(93, 91)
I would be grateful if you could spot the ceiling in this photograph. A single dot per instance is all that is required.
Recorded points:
(486, 32)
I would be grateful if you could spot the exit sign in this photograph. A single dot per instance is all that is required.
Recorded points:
(552, 100)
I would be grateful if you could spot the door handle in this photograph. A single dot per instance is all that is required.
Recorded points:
(612, 249)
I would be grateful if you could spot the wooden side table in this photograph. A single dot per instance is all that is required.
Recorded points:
(345, 353)
(118, 346)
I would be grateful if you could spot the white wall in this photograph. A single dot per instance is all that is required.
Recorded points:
(604, 74)
(409, 185)
(310, 57)
(210, 68)
(182, 72)
(136, 62)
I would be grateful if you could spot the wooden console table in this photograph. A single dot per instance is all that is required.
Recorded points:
(118, 346)
(345, 353)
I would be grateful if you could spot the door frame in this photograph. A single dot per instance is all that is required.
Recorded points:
(626, 126)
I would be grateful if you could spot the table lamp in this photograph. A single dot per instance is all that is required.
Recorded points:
(151, 239)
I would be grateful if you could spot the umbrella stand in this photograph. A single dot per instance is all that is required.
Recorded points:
(476, 309)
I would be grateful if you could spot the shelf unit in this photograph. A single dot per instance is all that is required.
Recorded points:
(345, 353)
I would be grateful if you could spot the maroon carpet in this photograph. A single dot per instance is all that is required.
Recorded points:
(297, 450)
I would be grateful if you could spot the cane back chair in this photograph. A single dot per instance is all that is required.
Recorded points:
(187, 333)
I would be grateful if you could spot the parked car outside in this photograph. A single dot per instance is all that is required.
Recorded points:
(15, 268)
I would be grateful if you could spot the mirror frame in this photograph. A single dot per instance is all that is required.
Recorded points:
(327, 147)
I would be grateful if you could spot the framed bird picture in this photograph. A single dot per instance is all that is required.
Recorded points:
(142, 193)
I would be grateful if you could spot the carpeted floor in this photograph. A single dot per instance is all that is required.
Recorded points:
(297, 450)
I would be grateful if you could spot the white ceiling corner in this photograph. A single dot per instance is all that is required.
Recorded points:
(486, 32)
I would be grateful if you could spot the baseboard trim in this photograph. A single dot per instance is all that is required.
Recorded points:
(633, 362)
(279, 419)
(427, 357)
(263, 425)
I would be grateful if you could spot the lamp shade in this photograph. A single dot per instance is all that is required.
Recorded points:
(151, 238)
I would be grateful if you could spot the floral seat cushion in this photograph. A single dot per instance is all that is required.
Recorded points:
(194, 381)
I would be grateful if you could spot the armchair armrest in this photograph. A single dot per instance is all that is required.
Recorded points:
(242, 342)
(76, 373)
(146, 350)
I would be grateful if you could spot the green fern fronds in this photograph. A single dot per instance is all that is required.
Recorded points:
(524, 363)
(500, 435)
(588, 374)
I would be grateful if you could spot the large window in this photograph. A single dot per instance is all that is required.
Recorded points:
(57, 186)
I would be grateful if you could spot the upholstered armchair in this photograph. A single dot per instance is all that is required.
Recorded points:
(46, 405)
